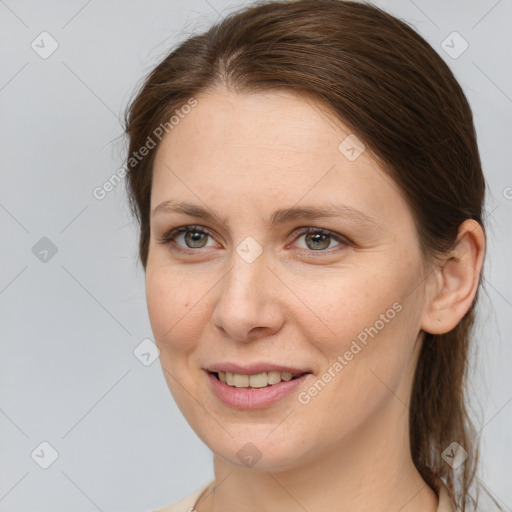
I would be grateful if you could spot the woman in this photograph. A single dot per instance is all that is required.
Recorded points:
(309, 191)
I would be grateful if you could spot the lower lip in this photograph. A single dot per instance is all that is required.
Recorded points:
(254, 398)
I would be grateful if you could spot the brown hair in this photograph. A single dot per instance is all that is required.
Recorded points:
(388, 85)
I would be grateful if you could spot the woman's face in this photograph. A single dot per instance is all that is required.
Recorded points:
(253, 288)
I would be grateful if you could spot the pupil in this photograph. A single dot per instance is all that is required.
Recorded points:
(318, 238)
(194, 237)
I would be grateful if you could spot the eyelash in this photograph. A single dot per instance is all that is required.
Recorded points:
(171, 235)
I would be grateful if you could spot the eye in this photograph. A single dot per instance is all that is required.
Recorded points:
(319, 239)
(195, 237)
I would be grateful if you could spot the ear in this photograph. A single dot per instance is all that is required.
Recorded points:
(456, 280)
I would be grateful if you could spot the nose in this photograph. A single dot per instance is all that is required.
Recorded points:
(249, 303)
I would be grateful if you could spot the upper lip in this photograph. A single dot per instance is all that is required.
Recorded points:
(254, 368)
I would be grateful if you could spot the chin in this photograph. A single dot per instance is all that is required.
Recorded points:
(258, 446)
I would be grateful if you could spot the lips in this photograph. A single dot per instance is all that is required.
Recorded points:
(237, 395)
(254, 385)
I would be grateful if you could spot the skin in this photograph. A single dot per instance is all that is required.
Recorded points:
(245, 156)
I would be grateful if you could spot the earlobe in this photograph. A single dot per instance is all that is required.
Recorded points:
(458, 277)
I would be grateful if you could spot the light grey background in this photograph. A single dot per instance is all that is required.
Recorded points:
(70, 324)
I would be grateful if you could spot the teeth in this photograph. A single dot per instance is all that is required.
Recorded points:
(259, 380)
(241, 381)
(274, 377)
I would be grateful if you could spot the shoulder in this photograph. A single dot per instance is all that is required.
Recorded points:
(187, 503)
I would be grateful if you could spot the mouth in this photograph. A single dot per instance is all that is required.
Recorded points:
(255, 390)
(255, 385)
(257, 380)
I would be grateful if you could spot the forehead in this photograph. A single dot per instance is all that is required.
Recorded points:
(276, 146)
(277, 120)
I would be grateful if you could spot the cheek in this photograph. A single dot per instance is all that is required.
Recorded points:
(348, 306)
(174, 308)
(173, 303)
(359, 378)
(364, 329)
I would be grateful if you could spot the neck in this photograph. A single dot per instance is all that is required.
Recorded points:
(370, 471)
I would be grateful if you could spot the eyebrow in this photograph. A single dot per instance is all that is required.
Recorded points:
(280, 216)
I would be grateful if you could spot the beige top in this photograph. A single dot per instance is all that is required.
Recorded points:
(187, 504)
